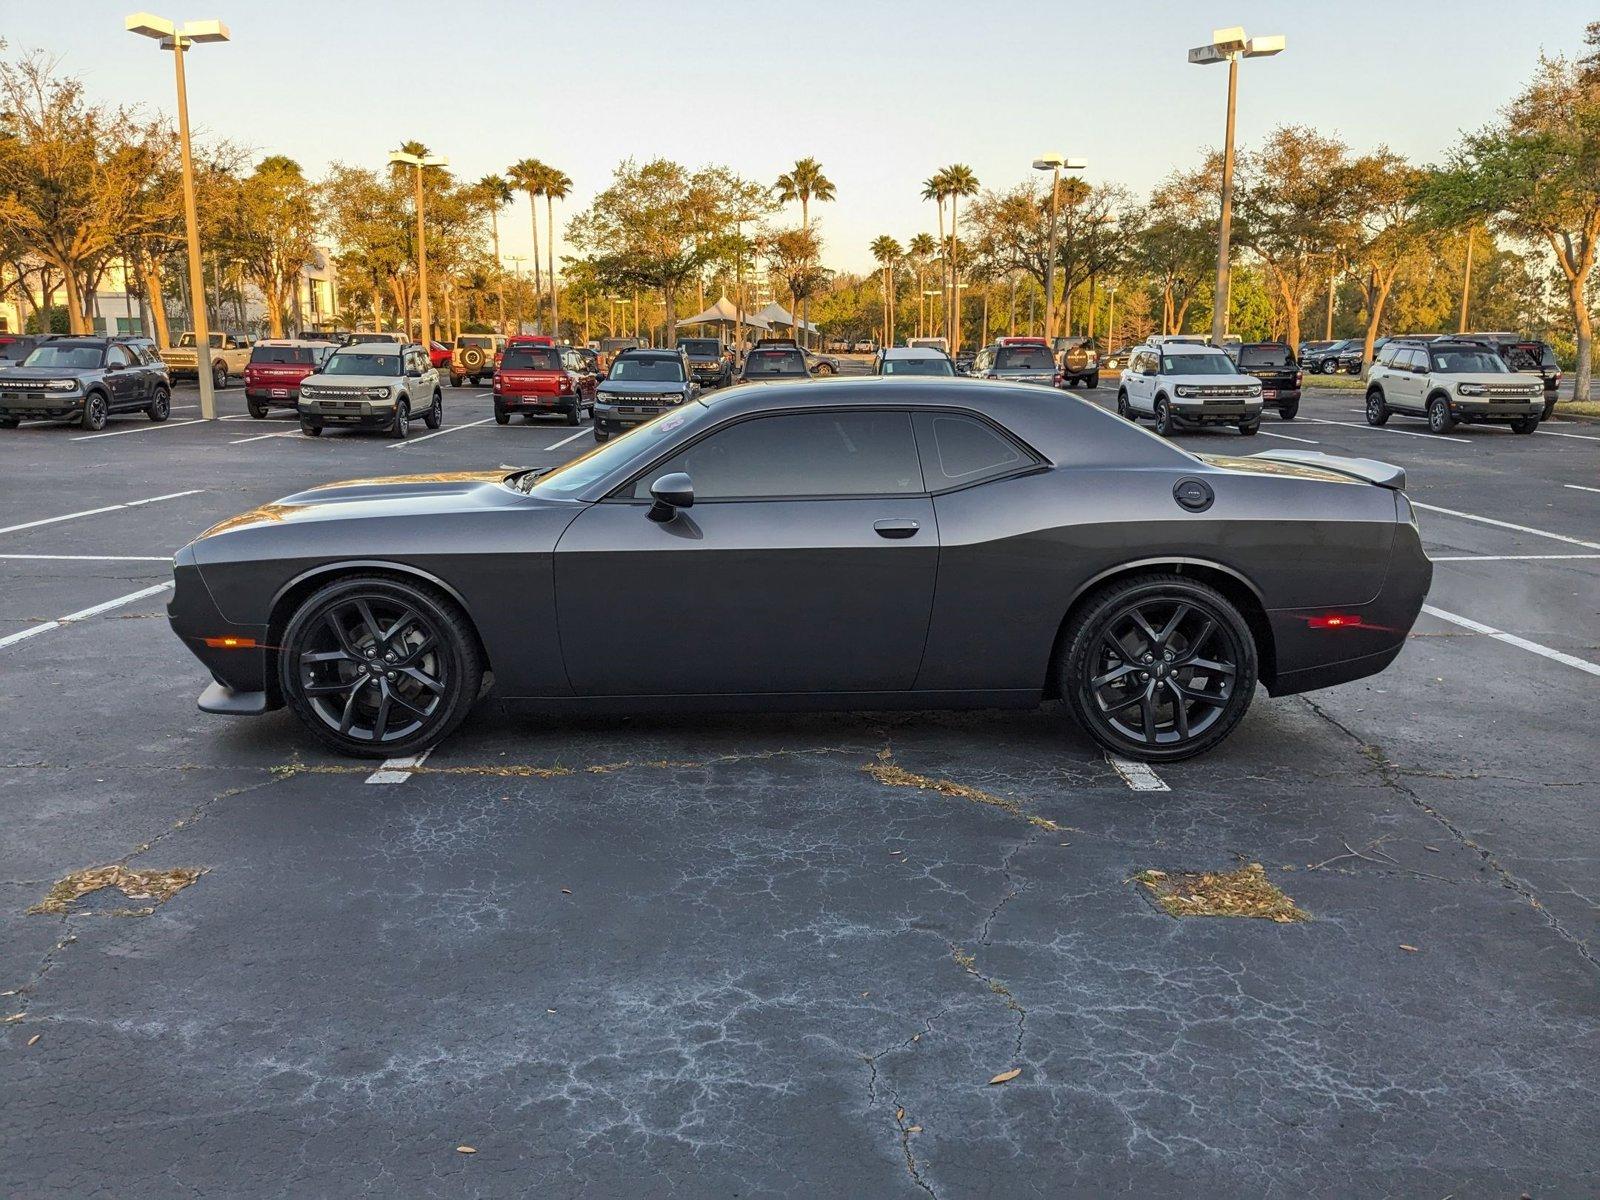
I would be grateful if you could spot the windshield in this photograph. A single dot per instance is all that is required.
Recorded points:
(1024, 358)
(700, 347)
(648, 370)
(531, 358)
(348, 362)
(775, 362)
(64, 354)
(570, 478)
(215, 340)
(482, 343)
(918, 366)
(357, 339)
(1469, 362)
(1197, 364)
(1265, 356)
(283, 354)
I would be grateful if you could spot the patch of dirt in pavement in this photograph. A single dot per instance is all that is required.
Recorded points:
(1246, 892)
(885, 771)
(156, 887)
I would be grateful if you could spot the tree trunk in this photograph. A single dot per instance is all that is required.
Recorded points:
(944, 274)
(75, 322)
(499, 270)
(955, 275)
(1576, 264)
(550, 251)
(1382, 281)
(538, 279)
(670, 295)
(1179, 313)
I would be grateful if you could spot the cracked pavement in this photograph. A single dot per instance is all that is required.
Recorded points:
(718, 956)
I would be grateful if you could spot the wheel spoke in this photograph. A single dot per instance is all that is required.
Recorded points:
(1119, 705)
(1180, 708)
(1113, 675)
(347, 718)
(402, 623)
(322, 656)
(380, 720)
(1138, 618)
(1171, 627)
(335, 688)
(414, 653)
(1198, 641)
(340, 633)
(1119, 647)
(371, 622)
(418, 675)
(399, 698)
(1147, 709)
(1211, 666)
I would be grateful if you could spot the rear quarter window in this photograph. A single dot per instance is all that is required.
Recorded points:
(959, 450)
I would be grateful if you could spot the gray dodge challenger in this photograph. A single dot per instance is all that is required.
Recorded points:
(859, 544)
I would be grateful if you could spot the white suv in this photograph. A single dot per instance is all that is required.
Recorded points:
(1449, 380)
(1187, 383)
(372, 385)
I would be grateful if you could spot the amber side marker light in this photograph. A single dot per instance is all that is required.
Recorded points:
(1334, 621)
(230, 643)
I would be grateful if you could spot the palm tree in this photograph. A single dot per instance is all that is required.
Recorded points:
(937, 188)
(557, 186)
(888, 253)
(496, 195)
(959, 181)
(804, 183)
(920, 250)
(528, 175)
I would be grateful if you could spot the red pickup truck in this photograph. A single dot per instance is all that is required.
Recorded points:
(276, 367)
(534, 379)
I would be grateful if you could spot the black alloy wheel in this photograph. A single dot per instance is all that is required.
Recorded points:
(1159, 667)
(160, 407)
(95, 411)
(377, 667)
(401, 425)
(434, 417)
(1123, 409)
(1440, 418)
(1377, 410)
(1164, 424)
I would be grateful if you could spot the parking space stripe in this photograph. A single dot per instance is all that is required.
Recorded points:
(1287, 438)
(1512, 639)
(263, 436)
(83, 614)
(565, 440)
(153, 427)
(437, 433)
(94, 512)
(1578, 487)
(1137, 775)
(1436, 437)
(1505, 557)
(398, 770)
(1466, 516)
(1582, 437)
(160, 558)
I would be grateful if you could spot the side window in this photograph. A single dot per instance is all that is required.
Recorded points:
(118, 356)
(809, 454)
(1417, 361)
(958, 450)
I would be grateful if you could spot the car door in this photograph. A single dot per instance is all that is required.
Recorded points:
(806, 564)
(121, 378)
(1403, 388)
(1142, 382)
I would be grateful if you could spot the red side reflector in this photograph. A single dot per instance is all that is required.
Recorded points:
(230, 643)
(1334, 621)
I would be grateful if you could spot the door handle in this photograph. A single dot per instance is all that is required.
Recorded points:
(901, 527)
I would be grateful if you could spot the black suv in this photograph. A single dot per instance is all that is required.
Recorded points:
(87, 378)
(774, 359)
(1326, 360)
(1274, 364)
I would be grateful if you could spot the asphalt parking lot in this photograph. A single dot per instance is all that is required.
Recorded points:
(735, 956)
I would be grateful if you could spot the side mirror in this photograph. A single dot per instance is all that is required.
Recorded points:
(671, 492)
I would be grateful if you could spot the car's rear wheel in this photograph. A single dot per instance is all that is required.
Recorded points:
(435, 414)
(1440, 418)
(1158, 667)
(376, 667)
(1288, 412)
(1549, 406)
(258, 408)
(1377, 410)
(160, 406)
(455, 381)
(219, 375)
(501, 416)
(575, 413)
(95, 411)
(1164, 418)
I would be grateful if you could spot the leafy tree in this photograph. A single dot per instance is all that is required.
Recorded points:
(804, 183)
(274, 225)
(529, 175)
(1175, 242)
(495, 193)
(1385, 194)
(888, 253)
(793, 256)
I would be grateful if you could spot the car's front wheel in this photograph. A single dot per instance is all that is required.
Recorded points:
(1164, 418)
(377, 667)
(1377, 410)
(1440, 418)
(435, 414)
(822, 369)
(1158, 667)
(95, 411)
(401, 425)
(1524, 424)
(10, 422)
(1251, 427)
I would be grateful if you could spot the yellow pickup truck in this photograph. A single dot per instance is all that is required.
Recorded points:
(230, 352)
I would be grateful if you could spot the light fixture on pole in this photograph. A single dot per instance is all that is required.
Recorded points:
(1055, 164)
(1229, 46)
(419, 161)
(178, 40)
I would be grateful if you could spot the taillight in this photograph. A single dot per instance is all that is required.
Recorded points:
(566, 382)
(1059, 378)
(494, 381)
(1334, 621)
(1298, 376)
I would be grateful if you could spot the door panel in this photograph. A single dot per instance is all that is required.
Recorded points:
(746, 596)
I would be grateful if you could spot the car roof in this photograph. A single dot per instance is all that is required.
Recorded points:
(379, 347)
(291, 342)
(648, 352)
(899, 352)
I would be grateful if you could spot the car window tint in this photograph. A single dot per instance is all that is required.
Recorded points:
(1265, 356)
(530, 358)
(800, 454)
(959, 450)
(1023, 358)
(118, 356)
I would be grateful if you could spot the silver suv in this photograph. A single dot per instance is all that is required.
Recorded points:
(1448, 380)
(372, 385)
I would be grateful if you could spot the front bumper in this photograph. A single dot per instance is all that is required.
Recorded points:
(40, 405)
(1479, 409)
(1215, 412)
(610, 415)
(242, 675)
(354, 414)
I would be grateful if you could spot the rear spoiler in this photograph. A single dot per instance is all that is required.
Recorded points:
(1380, 473)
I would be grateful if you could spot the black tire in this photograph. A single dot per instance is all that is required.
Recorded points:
(600, 435)
(310, 430)
(1164, 424)
(352, 693)
(219, 375)
(1250, 428)
(1377, 410)
(434, 417)
(400, 427)
(1124, 409)
(477, 381)
(258, 408)
(1549, 406)
(823, 369)
(1440, 418)
(95, 411)
(1524, 424)
(1289, 411)
(501, 416)
(1093, 380)
(160, 406)
(10, 422)
(455, 381)
(575, 415)
(1108, 664)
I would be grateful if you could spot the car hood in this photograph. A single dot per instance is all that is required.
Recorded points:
(353, 382)
(644, 387)
(1520, 380)
(403, 496)
(45, 372)
(1235, 380)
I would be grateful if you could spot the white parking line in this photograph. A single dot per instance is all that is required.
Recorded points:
(153, 427)
(1137, 775)
(1512, 639)
(1582, 437)
(437, 433)
(94, 512)
(262, 436)
(1578, 487)
(1466, 516)
(90, 557)
(398, 770)
(565, 440)
(1506, 557)
(1437, 437)
(11, 639)
(1287, 438)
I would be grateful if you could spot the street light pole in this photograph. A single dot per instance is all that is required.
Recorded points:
(419, 161)
(1229, 46)
(1054, 164)
(178, 41)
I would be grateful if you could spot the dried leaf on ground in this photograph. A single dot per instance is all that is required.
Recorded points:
(136, 884)
(466, 1149)
(885, 771)
(1006, 1076)
(1243, 893)
(1411, 949)
(34, 1039)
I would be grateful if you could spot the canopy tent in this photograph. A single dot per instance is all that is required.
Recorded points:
(776, 314)
(723, 312)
